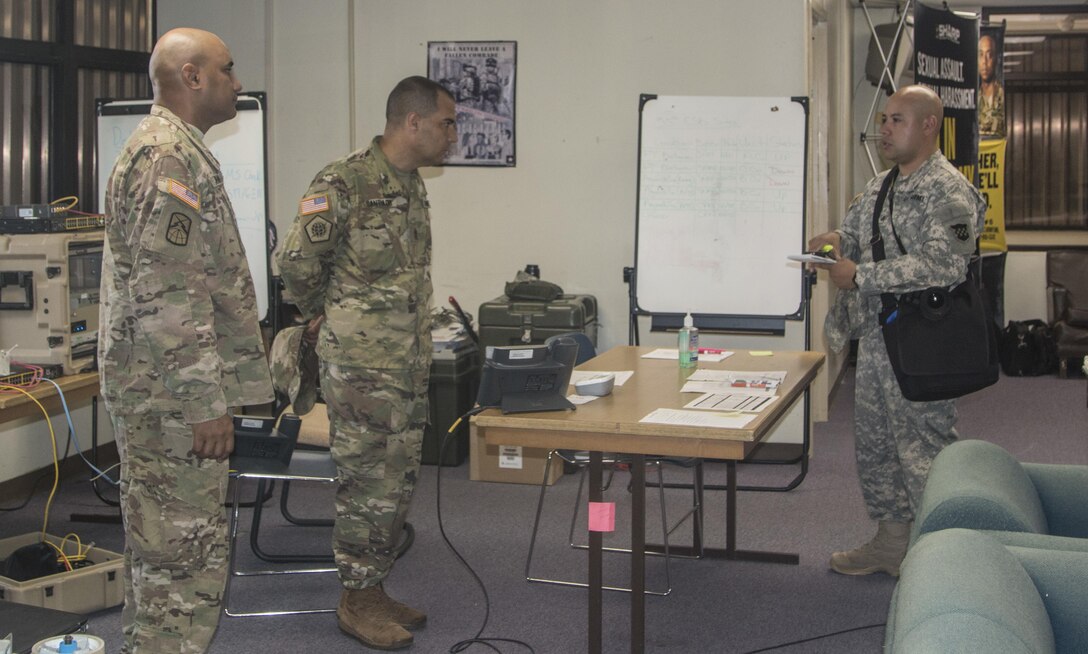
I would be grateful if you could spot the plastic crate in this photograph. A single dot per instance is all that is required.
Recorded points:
(91, 588)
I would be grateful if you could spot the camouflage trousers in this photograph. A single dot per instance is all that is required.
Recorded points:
(895, 440)
(175, 559)
(376, 420)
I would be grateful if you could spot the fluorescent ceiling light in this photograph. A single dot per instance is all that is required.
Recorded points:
(1010, 64)
(1019, 53)
(1024, 39)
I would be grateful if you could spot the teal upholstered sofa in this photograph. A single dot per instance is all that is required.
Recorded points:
(962, 590)
(978, 485)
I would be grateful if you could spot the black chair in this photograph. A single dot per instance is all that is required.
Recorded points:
(579, 459)
(1067, 291)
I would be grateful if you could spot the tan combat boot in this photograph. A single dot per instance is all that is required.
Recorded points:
(403, 614)
(883, 553)
(363, 613)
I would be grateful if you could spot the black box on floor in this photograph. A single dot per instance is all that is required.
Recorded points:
(505, 322)
(455, 378)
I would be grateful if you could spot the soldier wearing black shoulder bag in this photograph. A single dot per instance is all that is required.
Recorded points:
(932, 217)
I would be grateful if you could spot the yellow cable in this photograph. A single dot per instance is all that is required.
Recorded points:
(61, 556)
(56, 464)
(73, 202)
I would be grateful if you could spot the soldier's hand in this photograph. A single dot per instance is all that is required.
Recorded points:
(214, 439)
(842, 273)
(313, 328)
(834, 239)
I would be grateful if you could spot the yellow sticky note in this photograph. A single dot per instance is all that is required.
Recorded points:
(761, 353)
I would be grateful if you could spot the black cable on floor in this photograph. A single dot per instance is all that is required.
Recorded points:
(475, 640)
(42, 477)
(807, 640)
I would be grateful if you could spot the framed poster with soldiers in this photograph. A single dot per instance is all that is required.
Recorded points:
(480, 75)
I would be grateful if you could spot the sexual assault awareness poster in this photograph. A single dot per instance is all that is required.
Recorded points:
(946, 60)
(991, 182)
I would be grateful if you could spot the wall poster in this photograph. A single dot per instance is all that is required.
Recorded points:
(480, 75)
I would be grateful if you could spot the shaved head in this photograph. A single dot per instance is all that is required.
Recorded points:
(922, 101)
(192, 75)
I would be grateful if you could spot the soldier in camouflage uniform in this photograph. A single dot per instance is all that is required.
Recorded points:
(357, 264)
(179, 346)
(991, 94)
(937, 215)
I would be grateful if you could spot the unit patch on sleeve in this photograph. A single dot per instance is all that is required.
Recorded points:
(183, 193)
(177, 230)
(313, 204)
(318, 230)
(961, 231)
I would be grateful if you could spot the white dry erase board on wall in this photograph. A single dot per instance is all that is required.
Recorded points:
(238, 144)
(721, 204)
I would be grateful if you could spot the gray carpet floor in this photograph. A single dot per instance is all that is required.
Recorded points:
(715, 605)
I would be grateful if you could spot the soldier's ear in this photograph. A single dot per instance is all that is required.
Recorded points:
(190, 76)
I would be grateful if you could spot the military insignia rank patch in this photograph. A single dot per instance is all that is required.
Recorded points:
(313, 204)
(961, 232)
(318, 230)
(177, 230)
(183, 193)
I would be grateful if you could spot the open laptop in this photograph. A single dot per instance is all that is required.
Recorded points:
(261, 446)
(29, 625)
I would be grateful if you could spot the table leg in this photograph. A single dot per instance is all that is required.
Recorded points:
(596, 542)
(730, 552)
(638, 553)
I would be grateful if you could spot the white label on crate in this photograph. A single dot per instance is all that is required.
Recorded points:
(26, 212)
(521, 354)
(250, 423)
(510, 457)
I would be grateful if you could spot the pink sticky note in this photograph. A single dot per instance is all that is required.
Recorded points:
(602, 516)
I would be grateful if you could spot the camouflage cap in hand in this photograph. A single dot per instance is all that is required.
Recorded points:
(293, 362)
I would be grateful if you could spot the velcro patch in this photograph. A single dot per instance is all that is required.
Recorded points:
(318, 230)
(177, 230)
(313, 204)
(183, 193)
(961, 232)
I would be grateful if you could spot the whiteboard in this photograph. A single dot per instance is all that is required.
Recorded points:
(238, 144)
(721, 201)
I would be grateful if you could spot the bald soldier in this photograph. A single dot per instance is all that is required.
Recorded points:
(179, 346)
(935, 213)
(357, 262)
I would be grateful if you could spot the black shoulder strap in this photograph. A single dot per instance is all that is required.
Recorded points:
(887, 300)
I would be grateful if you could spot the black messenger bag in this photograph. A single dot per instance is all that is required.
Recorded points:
(940, 341)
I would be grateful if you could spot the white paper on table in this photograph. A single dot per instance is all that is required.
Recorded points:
(621, 375)
(714, 357)
(712, 419)
(722, 387)
(581, 399)
(747, 402)
(663, 353)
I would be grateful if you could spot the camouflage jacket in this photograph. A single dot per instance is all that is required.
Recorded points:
(178, 317)
(937, 216)
(991, 113)
(360, 252)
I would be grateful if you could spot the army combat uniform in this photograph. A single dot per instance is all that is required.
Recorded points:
(360, 253)
(937, 215)
(991, 113)
(179, 344)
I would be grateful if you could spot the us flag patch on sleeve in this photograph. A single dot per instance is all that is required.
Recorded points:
(313, 204)
(183, 193)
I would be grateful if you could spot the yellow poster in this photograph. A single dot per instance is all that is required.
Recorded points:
(991, 181)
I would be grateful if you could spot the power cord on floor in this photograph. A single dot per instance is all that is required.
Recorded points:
(808, 640)
(475, 640)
